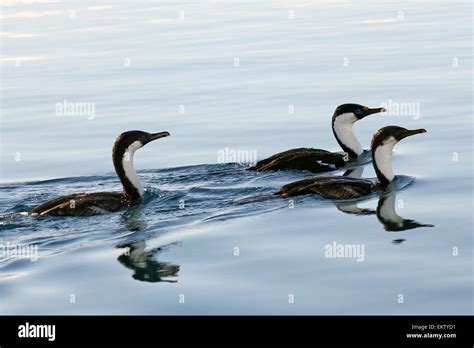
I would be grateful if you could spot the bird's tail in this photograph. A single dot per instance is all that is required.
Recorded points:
(259, 198)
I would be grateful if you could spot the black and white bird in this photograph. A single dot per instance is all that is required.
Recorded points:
(86, 204)
(346, 187)
(317, 160)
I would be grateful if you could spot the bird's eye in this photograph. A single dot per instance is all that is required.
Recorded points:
(358, 111)
(396, 133)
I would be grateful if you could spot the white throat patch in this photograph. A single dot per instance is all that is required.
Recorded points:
(343, 129)
(383, 157)
(127, 161)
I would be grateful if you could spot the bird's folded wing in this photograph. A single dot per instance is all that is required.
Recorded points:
(313, 160)
(82, 205)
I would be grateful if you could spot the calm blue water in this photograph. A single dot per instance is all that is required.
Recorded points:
(258, 76)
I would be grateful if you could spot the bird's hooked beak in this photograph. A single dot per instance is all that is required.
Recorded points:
(155, 136)
(368, 111)
(409, 132)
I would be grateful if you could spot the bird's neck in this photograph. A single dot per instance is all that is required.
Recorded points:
(123, 163)
(382, 160)
(342, 129)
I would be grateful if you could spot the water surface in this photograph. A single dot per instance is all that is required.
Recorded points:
(258, 76)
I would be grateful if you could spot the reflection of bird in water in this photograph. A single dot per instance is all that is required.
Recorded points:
(386, 213)
(398, 241)
(388, 217)
(146, 267)
(133, 220)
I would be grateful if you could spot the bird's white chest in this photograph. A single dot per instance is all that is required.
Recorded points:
(383, 158)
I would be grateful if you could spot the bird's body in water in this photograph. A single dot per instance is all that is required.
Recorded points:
(86, 204)
(83, 204)
(346, 187)
(317, 160)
